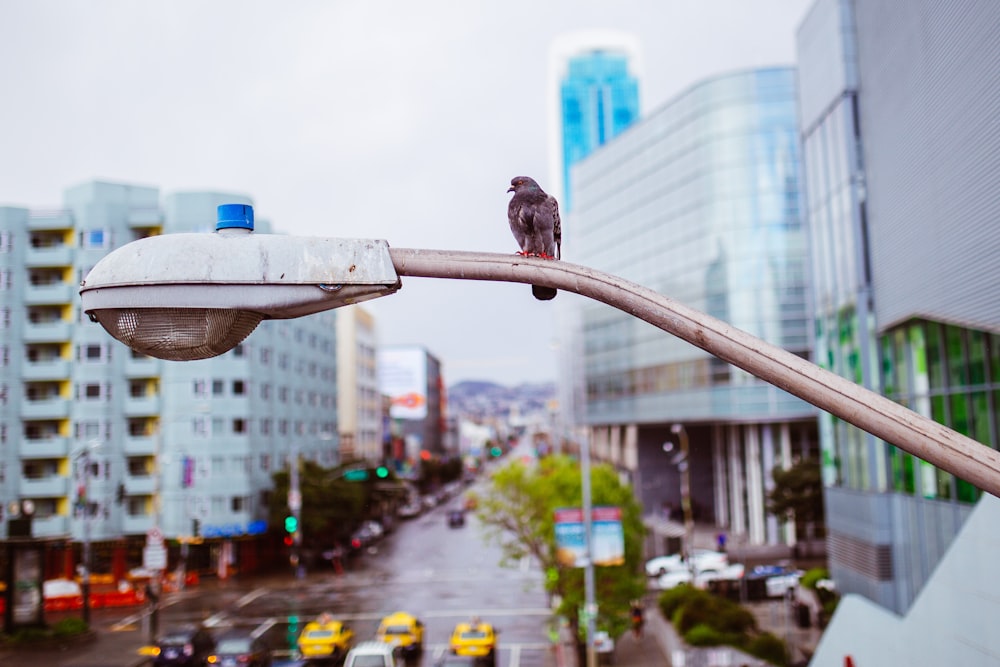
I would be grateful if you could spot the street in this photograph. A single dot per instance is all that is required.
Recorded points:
(442, 575)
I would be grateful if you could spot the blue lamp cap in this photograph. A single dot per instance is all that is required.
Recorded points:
(239, 216)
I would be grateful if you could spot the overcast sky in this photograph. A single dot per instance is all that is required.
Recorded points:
(359, 118)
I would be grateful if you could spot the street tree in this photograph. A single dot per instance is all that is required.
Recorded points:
(518, 512)
(331, 505)
(798, 496)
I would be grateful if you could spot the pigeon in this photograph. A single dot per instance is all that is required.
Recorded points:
(534, 220)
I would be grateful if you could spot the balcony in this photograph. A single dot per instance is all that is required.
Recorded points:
(48, 448)
(51, 293)
(47, 332)
(141, 366)
(55, 219)
(50, 526)
(137, 524)
(140, 486)
(46, 408)
(53, 486)
(142, 406)
(140, 445)
(60, 255)
(145, 217)
(53, 369)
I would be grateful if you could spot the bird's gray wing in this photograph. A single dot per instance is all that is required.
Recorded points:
(556, 226)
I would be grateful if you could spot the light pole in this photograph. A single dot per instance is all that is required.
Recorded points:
(683, 462)
(82, 456)
(194, 296)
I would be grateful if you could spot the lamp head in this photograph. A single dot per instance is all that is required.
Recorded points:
(193, 296)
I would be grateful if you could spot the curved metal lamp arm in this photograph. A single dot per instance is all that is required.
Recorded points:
(933, 442)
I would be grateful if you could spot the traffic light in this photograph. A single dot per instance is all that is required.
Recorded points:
(496, 451)
(381, 472)
(356, 475)
(289, 540)
(291, 524)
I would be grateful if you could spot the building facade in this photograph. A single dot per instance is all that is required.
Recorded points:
(186, 448)
(699, 201)
(411, 377)
(901, 160)
(359, 402)
(598, 99)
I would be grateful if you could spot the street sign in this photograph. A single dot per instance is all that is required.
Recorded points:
(154, 537)
(154, 558)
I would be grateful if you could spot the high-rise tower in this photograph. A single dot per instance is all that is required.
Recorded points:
(598, 96)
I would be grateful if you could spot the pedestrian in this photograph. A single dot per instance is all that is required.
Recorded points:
(720, 541)
(637, 619)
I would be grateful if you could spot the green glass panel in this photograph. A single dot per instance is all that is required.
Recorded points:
(918, 348)
(909, 483)
(899, 348)
(981, 417)
(967, 492)
(944, 480)
(935, 367)
(977, 357)
(995, 358)
(887, 376)
(960, 413)
(957, 371)
(938, 412)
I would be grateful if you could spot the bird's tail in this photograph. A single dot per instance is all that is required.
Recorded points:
(543, 293)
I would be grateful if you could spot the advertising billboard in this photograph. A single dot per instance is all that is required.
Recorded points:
(402, 376)
(606, 532)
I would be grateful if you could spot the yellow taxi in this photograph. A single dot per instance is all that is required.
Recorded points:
(476, 639)
(402, 631)
(325, 639)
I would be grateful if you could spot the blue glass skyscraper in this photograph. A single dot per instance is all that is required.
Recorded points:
(599, 98)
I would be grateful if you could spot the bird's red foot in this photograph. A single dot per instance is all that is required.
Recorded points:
(521, 253)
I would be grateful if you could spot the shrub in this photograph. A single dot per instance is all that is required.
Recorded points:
(673, 599)
(703, 635)
(69, 627)
(700, 610)
(768, 647)
(733, 618)
(810, 578)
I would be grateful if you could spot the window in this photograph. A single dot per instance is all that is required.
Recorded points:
(5, 280)
(93, 353)
(239, 387)
(94, 238)
(239, 350)
(265, 426)
(240, 503)
(218, 386)
(93, 391)
(239, 425)
(200, 427)
(6, 241)
(200, 388)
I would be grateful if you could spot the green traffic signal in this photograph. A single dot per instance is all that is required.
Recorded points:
(291, 524)
(382, 472)
(496, 451)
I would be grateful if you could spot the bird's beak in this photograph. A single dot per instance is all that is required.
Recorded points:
(510, 189)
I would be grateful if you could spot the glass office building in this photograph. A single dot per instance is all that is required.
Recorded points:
(599, 98)
(700, 201)
(901, 162)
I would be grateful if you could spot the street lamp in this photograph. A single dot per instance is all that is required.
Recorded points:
(683, 463)
(82, 456)
(194, 296)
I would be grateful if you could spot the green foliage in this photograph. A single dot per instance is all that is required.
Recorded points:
(69, 627)
(331, 506)
(704, 635)
(674, 598)
(517, 512)
(768, 647)
(813, 575)
(798, 493)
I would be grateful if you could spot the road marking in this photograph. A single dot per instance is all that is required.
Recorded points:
(251, 596)
(515, 655)
(263, 627)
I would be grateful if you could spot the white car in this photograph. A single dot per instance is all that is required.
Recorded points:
(702, 559)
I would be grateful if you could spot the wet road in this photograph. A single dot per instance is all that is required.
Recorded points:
(441, 575)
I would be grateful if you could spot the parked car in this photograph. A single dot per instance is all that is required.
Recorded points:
(371, 654)
(187, 645)
(476, 639)
(702, 579)
(325, 639)
(403, 631)
(410, 510)
(456, 518)
(702, 559)
(367, 533)
(240, 649)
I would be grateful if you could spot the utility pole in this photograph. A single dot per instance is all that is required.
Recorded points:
(295, 507)
(589, 602)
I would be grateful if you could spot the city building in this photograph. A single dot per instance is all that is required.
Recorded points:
(699, 201)
(107, 444)
(359, 402)
(598, 96)
(411, 377)
(902, 158)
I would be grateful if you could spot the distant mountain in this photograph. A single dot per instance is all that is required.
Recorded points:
(481, 399)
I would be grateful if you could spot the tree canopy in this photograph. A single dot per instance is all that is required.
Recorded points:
(798, 495)
(518, 513)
